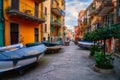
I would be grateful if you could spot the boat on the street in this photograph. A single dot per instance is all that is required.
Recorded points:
(52, 47)
(85, 44)
(17, 56)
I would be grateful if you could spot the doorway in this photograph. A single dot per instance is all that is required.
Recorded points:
(14, 33)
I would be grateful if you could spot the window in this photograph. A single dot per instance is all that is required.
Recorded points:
(46, 11)
(52, 1)
(14, 33)
(36, 32)
(111, 18)
(45, 27)
(15, 4)
(36, 9)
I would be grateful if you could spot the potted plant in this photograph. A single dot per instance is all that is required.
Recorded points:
(103, 64)
(93, 49)
(103, 60)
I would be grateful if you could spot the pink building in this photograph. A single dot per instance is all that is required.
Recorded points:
(81, 23)
(76, 34)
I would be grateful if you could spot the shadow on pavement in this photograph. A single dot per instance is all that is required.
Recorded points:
(24, 70)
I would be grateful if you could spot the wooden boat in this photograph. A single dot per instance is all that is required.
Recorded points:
(16, 58)
(50, 44)
(52, 47)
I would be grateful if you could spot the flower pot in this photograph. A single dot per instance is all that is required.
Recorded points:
(103, 70)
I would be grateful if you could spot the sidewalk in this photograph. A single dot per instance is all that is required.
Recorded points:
(71, 63)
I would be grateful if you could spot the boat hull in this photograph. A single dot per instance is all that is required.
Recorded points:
(85, 44)
(20, 58)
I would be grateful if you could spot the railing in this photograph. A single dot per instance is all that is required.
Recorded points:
(106, 6)
(27, 9)
(57, 21)
(56, 9)
(107, 3)
(92, 9)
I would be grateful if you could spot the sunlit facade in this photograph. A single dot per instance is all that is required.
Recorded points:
(23, 21)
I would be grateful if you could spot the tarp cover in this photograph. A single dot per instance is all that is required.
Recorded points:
(23, 53)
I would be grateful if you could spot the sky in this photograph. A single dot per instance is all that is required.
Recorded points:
(73, 7)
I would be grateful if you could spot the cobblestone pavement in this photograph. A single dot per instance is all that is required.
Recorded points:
(71, 63)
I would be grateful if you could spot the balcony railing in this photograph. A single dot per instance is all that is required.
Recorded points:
(56, 10)
(106, 6)
(26, 12)
(92, 11)
(56, 23)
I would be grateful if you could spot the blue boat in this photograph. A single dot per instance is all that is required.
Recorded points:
(16, 56)
(52, 47)
(85, 44)
(50, 44)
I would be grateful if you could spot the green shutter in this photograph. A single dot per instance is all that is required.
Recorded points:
(52, 29)
(1, 24)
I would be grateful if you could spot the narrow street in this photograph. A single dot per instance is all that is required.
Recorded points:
(71, 63)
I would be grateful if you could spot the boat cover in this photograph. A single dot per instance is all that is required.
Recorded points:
(22, 53)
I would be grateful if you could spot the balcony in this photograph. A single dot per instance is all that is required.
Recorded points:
(91, 11)
(25, 12)
(56, 23)
(105, 8)
(95, 20)
(56, 10)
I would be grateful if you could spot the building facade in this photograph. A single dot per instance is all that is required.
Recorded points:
(46, 26)
(81, 24)
(23, 21)
(54, 26)
(76, 34)
(57, 19)
(102, 13)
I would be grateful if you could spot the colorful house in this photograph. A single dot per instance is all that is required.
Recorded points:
(57, 18)
(104, 13)
(53, 27)
(46, 24)
(76, 34)
(23, 21)
(81, 23)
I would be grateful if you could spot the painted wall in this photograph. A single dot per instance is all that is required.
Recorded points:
(47, 4)
(57, 30)
(26, 27)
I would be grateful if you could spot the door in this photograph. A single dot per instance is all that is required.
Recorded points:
(36, 31)
(15, 4)
(14, 33)
(36, 9)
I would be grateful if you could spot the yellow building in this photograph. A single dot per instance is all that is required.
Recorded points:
(23, 19)
(57, 18)
(53, 27)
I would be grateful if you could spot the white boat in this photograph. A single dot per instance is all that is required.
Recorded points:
(11, 58)
(85, 44)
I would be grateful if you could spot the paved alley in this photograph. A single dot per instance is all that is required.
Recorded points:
(71, 63)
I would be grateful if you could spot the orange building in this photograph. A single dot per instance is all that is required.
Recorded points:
(23, 19)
